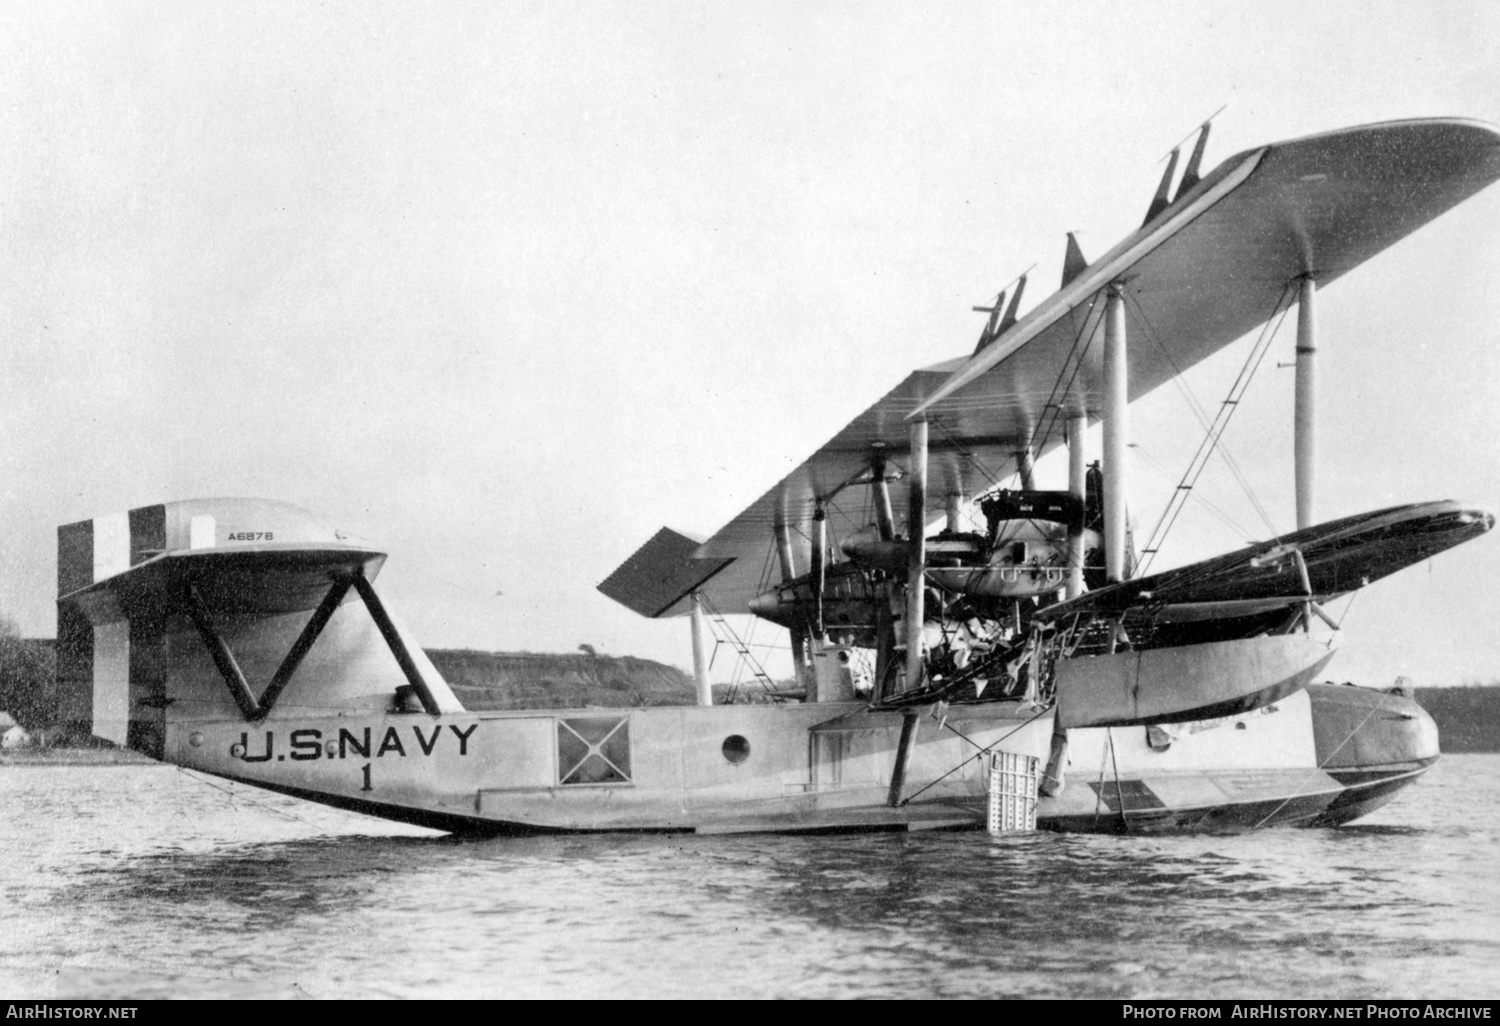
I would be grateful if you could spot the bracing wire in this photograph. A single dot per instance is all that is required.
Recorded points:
(988, 473)
(1213, 508)
(1215, 430)
(1052, 408)
(237, 796)
(1312, 775)
(1269, 331)
(1087, 329)
(747, 658)
(977, 755)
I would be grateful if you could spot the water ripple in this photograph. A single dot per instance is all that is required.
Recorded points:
(140, 882)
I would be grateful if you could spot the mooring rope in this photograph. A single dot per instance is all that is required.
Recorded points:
(1319, 768)
(982, 751)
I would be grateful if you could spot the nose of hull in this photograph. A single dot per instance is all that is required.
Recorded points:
(1374, 743)
(1360, 728)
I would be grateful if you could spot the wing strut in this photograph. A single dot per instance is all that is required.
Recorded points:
(1026, 467)
(1305, 440)
(885, 520)
(909, 725)
(885, 635)
(234, 678)
(700, 653)
(1116, 432)
(229, 668)
(788, 574)
(393, 640)
(819, 566)
(916, 559)
(1076, 429)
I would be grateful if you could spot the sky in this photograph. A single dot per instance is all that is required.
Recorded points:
(508, 287)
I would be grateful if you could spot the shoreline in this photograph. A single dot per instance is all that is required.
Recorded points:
(74, 757)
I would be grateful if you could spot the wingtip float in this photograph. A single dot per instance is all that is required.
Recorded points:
(247, 639)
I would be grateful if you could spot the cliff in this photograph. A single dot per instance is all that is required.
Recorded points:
(530, 680)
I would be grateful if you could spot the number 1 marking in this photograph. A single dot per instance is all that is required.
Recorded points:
(366, 770)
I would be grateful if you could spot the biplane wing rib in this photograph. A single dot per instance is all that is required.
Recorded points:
(1219, 261)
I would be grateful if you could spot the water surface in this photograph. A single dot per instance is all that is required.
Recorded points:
(147, 881)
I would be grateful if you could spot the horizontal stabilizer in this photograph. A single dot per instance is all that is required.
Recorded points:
(267, 580)
(244, 556)
(244, 610)
(657, 580)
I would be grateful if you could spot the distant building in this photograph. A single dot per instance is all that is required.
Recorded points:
(12, 734)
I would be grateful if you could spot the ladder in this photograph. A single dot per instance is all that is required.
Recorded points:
(1215, 431)
(723, 632)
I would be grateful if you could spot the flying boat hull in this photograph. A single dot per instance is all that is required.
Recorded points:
(1320, 756)
(247, 640)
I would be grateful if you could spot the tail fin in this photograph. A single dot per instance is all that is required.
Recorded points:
(208, 609)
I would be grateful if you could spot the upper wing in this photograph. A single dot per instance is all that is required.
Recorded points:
(1215, 264)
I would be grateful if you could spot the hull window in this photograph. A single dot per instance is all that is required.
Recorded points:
(736, 748)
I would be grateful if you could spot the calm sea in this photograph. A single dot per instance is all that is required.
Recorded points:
(142, 882)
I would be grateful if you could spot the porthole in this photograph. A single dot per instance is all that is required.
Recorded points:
(736, 749)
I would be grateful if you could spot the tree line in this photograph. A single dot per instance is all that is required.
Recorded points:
(27, 677)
